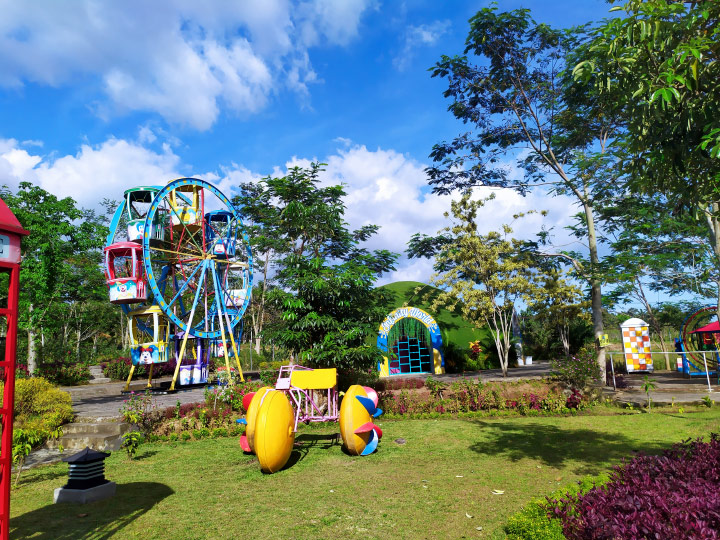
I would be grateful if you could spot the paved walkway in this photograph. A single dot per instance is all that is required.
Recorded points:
(104, 400)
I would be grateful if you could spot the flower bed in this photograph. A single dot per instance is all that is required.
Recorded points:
(213, 417)
(434, 398)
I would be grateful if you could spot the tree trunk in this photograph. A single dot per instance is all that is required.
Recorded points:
(596, 292)
(260, 321)
(77, 345)
(32, 347)
(564, 330)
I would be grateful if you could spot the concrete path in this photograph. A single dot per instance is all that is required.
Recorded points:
(105, 400)
(670, 387)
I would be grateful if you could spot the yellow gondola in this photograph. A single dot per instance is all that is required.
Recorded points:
(149, 336)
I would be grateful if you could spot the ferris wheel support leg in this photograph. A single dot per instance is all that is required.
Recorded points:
(132, 371)
(222, 329)
(187, 330)
(150, 373)
(234, 346)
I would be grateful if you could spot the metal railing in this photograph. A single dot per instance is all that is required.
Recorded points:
(713, 361)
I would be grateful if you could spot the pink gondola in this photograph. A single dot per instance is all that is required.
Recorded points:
(124, 273)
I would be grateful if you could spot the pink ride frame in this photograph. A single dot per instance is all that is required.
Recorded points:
(306, 409)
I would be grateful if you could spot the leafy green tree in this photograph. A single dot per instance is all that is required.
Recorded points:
(53, 256)
(654, 250)
(658, 65)
(563, 303)
(511, 87)
(329, 307)
(484, 276)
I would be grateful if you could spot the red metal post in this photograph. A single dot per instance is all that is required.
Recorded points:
(6, 412)
(11, 233)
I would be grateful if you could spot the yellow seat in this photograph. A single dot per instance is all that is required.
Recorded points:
(317, 379)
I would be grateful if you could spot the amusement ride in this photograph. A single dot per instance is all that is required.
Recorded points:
(179, 264)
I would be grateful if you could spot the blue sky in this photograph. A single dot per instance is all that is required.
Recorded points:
(96, 97)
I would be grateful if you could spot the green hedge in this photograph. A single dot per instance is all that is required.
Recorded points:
(533, 522)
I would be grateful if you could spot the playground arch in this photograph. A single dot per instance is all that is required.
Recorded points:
(411, 343)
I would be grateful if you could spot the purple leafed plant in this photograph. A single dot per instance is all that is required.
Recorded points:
(675, 495)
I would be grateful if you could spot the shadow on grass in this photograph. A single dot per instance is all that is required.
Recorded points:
(30, 478)
(144, 455)
(590, 451)
(99, 520)
(306, 441)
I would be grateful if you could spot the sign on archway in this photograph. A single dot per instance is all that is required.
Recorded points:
(411, 341)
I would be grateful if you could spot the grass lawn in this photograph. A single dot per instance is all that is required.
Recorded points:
(421, 489)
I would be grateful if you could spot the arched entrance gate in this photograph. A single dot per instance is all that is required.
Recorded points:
(411, 341)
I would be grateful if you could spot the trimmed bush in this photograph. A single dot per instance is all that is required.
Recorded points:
(40, 410)
(533, 523)
(536, 522)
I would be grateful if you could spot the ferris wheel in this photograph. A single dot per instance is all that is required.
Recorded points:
(177, 256)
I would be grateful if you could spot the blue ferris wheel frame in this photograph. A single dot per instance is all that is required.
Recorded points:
(235, 315)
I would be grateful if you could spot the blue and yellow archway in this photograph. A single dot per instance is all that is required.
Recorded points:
(438, 362)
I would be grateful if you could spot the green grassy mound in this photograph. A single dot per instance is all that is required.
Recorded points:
(457, 333)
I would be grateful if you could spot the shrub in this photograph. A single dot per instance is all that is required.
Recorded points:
(63, 373)
(131, 442)
(674, 495)
(537, 522)
(348, 377)
(269, 372)
(38, 400)
(574, 400)
(185, 436)
(579, 370)
(533, 523)
(139, 409)
(230, 395)
(119, 369)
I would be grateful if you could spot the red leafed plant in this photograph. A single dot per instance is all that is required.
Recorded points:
(674, 495)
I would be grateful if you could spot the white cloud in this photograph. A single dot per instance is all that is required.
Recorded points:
(183, 60)
(93, 173)
(419, 36)
(389, 189)
(383, 187)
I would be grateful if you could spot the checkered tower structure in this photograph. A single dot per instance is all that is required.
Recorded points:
(636, 342)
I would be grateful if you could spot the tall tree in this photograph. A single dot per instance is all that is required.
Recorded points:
(511, 87)
(483, 275)
(655, 250)
(562, 303)
(326, 295)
